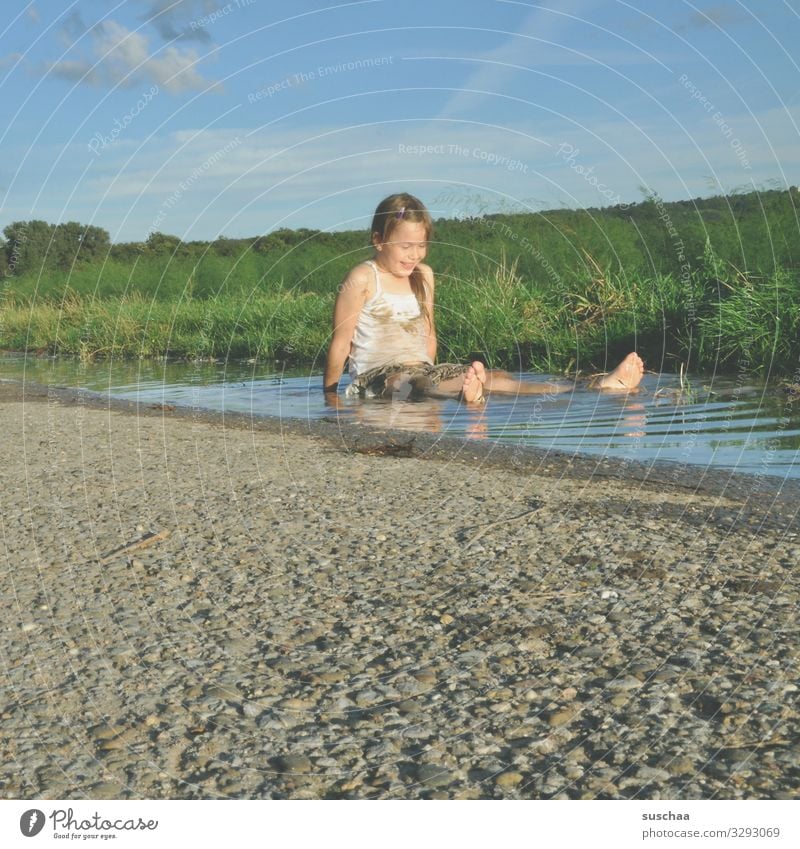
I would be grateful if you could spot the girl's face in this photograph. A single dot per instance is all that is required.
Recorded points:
(404, 250)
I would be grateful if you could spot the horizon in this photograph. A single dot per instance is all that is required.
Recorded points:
(458, 217)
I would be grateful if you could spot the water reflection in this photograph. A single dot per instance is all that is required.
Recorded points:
(429, 416)
(752, 428)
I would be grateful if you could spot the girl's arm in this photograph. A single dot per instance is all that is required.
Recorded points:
(427, 273)
(351, 298)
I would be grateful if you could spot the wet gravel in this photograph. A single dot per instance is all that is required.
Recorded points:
(325, 615)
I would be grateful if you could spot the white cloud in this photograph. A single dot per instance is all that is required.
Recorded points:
(77, 69)
(123, 57)
(10, 59)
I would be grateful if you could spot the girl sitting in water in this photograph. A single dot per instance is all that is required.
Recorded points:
(383, 321)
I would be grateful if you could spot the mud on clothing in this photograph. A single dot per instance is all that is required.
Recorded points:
(391, 337)
(390, 329)
(421, 378)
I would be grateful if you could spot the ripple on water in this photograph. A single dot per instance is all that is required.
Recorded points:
(752, 429)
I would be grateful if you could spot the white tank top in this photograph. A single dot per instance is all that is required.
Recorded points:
(390, 329)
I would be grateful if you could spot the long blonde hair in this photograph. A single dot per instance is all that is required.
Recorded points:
(388, 215)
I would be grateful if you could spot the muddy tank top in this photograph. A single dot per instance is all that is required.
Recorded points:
(390, 329)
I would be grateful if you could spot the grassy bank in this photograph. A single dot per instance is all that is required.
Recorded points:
(279, 326)
(713, 284)
(715, 318)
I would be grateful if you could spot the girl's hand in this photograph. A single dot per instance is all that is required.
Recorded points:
(332, 398)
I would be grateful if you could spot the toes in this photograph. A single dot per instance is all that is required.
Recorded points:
(479, 369)
(471, 388)
(633, 363)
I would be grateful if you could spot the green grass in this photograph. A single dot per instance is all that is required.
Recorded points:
(718, 318)
(275, 326)
(754, 325)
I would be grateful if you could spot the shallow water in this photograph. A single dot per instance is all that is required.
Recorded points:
(720, 423)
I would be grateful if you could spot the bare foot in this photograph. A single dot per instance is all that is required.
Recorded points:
(626, 376)
(474, 380)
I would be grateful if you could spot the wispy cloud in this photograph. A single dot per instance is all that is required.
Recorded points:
(540, 40)
(72, 28)
(173, 18)
(120, 56)
(77, 70)
(721, 15)
(33, 14)
(10, 59)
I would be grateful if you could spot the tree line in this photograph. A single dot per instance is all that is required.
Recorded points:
(755, 231)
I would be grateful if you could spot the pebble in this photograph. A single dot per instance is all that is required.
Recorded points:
(471, 658)
(218, 691)
(434, 776)
(508, 779)
(106, 790)
(295, 763)
(112, 745)
(105, 732)
(546, 745)
(652, 774)
(626, 683)
(680, 766)
(562, 717)
(297, 704)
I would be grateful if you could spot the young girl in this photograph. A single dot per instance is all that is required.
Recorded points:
(383, 321)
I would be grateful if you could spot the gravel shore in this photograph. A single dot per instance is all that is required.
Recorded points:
(330, 613)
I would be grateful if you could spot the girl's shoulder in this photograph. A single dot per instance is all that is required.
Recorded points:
(363, 271)
(360, 278)
(427, 274)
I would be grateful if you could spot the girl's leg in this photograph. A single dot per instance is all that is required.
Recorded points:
(504, 383)
(624, 378)
(476, 380)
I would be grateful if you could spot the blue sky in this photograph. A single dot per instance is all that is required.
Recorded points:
(202, 118)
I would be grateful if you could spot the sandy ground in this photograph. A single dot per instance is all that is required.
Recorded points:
(326, 612)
